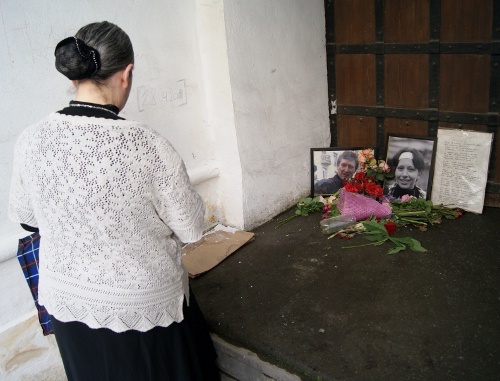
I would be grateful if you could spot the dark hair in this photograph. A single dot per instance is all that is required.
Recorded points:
(348, 155)
(104, 40)
(418, 158)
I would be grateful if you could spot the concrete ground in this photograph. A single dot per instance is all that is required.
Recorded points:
(301, 302)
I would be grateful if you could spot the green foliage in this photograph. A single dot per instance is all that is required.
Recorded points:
(380, 176)
(413, 211)
(308, 205)
(421, 212)
(305, 206)
(377, 234)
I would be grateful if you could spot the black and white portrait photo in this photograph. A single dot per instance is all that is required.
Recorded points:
(411, 159)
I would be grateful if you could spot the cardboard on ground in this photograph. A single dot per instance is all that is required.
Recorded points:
(212, 249)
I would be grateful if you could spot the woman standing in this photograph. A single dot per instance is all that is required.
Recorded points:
(409, 164)
(112, 201)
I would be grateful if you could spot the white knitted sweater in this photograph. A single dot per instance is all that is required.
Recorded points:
(112, 199)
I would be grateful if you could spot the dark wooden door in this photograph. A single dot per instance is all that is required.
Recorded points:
(411, 66)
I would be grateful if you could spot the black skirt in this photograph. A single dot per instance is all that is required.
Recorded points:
(180, 352)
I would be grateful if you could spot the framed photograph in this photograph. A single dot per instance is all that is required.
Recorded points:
(329, 166)
(412, 160)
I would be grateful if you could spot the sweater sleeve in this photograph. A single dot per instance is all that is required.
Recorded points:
(178, 204)
(20, 209)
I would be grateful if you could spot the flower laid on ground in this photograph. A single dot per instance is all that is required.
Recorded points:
(329, 207)
(420, 212)
(412, 211)
(378, 227)
(305, 206)
(379, 233)
(391, 227)
(349, 231)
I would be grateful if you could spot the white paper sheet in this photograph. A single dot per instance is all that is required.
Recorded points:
(461, 168)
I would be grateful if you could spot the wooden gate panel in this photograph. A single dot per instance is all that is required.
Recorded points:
(464, 83)
(354, 21)
(356, 131)
(406, 21)
(406, 127)
(355, 79)
(466, 20)
(406, 80)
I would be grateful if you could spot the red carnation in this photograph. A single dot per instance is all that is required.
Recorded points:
(390, 227)
(351, 187)
(374, 189)
(359, 176)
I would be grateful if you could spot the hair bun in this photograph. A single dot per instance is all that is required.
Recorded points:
(75, 59)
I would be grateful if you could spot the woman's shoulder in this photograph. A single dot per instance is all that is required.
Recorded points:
(392, 187)
(421, 193)
(140, 128)
(133, 130)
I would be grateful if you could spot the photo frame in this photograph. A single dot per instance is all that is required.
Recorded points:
(411, 158)
(324, 179)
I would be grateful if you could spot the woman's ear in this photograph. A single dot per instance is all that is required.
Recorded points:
(126, 77)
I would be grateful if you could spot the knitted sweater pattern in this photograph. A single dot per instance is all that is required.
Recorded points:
(112, 200)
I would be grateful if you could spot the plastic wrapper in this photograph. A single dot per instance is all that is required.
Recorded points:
(333, 224)
(360, 206)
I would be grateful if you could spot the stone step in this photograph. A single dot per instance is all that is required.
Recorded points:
(241, 364)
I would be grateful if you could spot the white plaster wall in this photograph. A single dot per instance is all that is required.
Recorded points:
(219, 104)
(277, 64)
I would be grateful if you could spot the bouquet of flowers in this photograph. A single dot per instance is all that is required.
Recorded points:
(378, 169)
(419, 212)
(371, 176)
(360, 206)
(364, 184)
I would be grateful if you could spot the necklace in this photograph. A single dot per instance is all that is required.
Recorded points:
(95, 107)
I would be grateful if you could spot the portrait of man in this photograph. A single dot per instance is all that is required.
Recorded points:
(333, 167)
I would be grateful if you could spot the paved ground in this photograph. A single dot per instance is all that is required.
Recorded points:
(303, 303)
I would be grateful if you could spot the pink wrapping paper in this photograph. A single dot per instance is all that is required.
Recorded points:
(360, 206)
